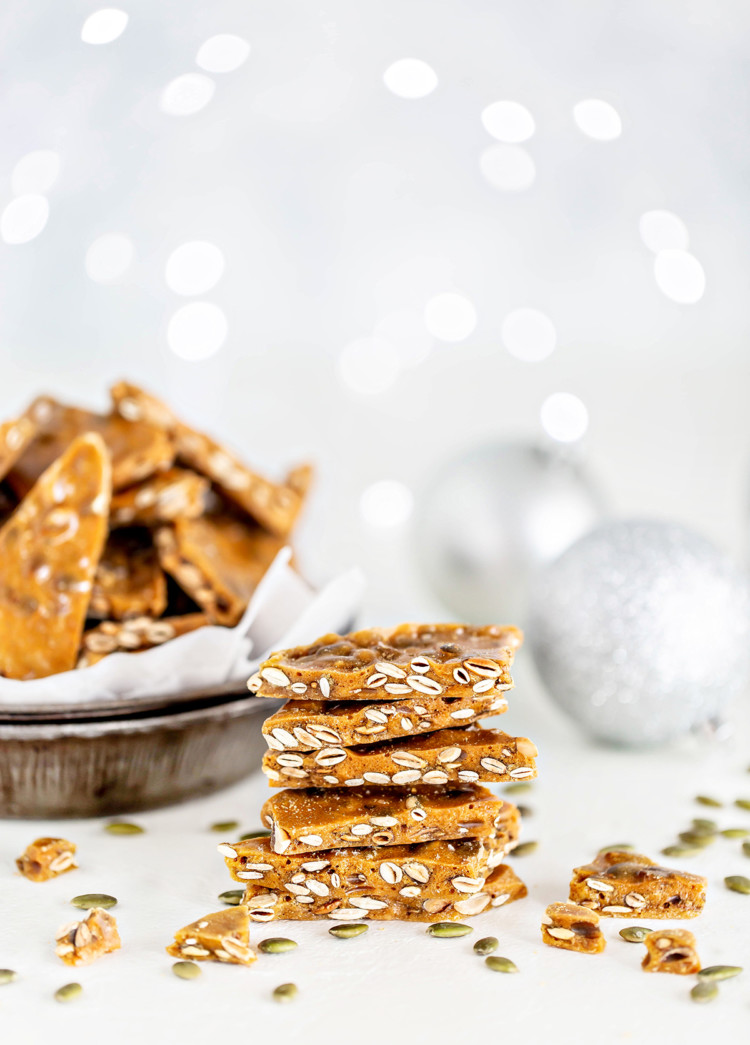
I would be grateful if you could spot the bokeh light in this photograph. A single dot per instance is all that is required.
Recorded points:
(194, 268)
(197, 331)
(450, 317)
(679, 276)
(508, 121)
(410, 78)
(369, 365)
(598, 119)
(24, 218)
(529, 335)
(104, 26)
(187, 94)
(509, 168)
(222, 53)
(109, 257)
(404, 329)
(386, 503)
(663, 230)
(564, 417)
(36, 172)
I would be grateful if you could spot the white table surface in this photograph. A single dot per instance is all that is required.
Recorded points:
(395, 983)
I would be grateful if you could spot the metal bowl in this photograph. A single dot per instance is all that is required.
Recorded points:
(99, 767)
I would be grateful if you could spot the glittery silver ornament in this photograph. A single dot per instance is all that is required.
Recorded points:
(640, 631)
(492, 518)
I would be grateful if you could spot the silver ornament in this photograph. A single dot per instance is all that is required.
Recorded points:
(492, 518)
(640, 631)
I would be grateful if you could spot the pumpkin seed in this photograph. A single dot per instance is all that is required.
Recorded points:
(186, 970)
(254, 834)
(681, 850)
(225, 826)
(447, 930)
(736, 832)
(746, 848)
(696, 839)
(738, 883)
(621, 846)
(706, 800)
(276, 945)
(719, 972)
(486, 945)
(525, 811)
(285, 992)
(7, 976)
(703, 992)
(89, 900)
(68, 992)
(634, 933)
(742, 803)
(500, 964)
(345, 932)
(699, 824)
(232, 896)
(122, 827)
(516, 789)
(524, 849)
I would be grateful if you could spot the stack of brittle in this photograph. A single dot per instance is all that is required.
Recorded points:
(382, 760)
(123, 530)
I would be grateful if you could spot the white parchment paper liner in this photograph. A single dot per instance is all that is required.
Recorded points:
(284, 611)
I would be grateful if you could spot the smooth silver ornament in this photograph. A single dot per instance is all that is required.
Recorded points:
(492, 518)
(640, 631)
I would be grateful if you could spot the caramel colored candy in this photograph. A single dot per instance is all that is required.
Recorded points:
(572, 928)
(129, 581)
(220, 937)
(412, 660)
(458, 868)
(15, 436)
(308, 725)
(274, 505)
(47, 858)
(135, 636)
(502, 887)
(304, 821)
(219, 560)
(164, 497)
(49, 551)
(81, 943)
(623, 884)
(450, 756)
(671, 950)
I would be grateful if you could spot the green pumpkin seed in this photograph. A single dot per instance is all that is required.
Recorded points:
(516, 789)
(186, 970)
(704, 992)
(634, 933)
(524, 849)
(500, 964)
(742, 803)
(736, 832)
(249, 835)
(68, 992)
(7, 976)
(348, 930)
(706, 800)
(710, 826)
(624, 847)
(285, 992)
(738, 883)
(681, 850)
(224, 827)
(89, 900)
(719, 972)
(232, 897)
(746, 848)
(486, 945)
(696, 839)
(122, 827)
(277, 945)
(447, 930)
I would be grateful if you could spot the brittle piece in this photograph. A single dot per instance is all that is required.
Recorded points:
(573, 928)
(412, 660)
(175, 494)
(15, 436)
(502, 886)
(8, 503)
(304, 821)
(129, 581)
(47, 858)
(450, 756)
(219, 560)
(81, 943)
(620, 883)
(274, 505)
(307, 725)
(671, 950)
(137, 450)
(221, 937)
(49, 551)
(135, 636)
